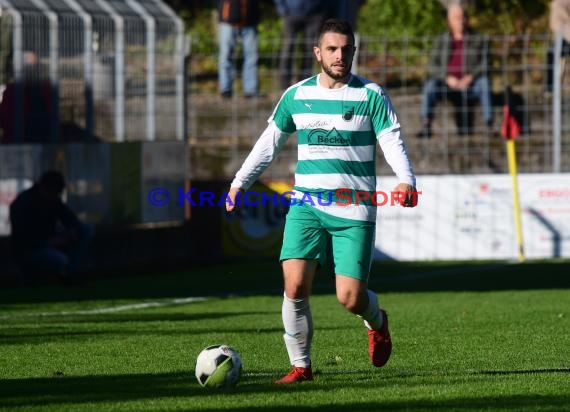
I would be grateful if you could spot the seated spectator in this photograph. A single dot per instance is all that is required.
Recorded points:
(48, 240)
(457, 67)
(559, 23)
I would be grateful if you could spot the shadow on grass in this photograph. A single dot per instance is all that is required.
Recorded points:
(41, 336)
(264, 277)
(524, 371)
(79, 328)
(472, 277)
(69, 392)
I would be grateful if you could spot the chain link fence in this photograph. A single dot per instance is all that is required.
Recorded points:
(115, 70)
(88, 70)
(221, 131)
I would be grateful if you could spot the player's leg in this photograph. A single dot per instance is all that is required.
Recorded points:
(303, 247)
(353, 248)
(297, 319)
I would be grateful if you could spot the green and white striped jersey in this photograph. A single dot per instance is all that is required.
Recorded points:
(337, 131)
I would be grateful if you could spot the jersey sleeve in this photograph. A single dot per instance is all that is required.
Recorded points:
(263, 153)
(388, 132)
(282, 113)
(280, 127)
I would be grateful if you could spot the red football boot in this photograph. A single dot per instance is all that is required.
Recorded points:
(297, 374)
(380, 343)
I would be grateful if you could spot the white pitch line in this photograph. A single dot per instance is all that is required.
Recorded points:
(111, 309)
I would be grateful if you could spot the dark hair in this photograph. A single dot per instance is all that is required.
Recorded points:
(53, 181)
(336, 26)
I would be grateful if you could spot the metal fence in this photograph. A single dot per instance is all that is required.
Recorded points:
(76, 70)
(116, 70)
(222, 131)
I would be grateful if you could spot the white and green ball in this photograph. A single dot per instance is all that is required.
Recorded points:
(218, 366)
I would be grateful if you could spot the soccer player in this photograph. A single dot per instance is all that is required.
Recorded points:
(338, 118)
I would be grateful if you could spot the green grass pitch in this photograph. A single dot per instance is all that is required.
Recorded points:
(467, 337)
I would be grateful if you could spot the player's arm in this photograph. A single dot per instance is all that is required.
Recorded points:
(395, 152)
(263, 153)
(396, 156)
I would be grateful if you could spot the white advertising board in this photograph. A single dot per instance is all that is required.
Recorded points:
(9, 189)
(472, 217)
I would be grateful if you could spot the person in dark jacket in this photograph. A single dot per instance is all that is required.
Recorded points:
(238, 19)
(458, 64)
(47, 237)
(300, 17)
(35, 104)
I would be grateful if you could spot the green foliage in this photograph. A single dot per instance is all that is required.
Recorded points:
(510, 16)
(407, 22)
(390, 18)
(398, 18)
(201, 27)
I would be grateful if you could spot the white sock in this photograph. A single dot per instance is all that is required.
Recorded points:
(298, 324)
(371, 316)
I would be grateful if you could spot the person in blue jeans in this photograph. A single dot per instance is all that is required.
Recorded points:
(238, 20)
(457, 67)
(48, 239)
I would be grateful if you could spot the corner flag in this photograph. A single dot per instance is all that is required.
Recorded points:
(510, 130)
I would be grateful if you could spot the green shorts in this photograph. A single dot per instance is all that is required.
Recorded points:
(308, 231)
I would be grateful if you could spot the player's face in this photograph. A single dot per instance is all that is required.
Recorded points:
(335, 53)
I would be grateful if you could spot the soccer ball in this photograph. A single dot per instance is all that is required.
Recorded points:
(218, 366)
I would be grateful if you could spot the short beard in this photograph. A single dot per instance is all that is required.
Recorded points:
(336, 76)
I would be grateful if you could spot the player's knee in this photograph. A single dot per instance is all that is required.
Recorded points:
(296, 291)
(351, 301)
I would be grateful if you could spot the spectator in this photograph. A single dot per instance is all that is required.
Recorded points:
(238, 19)
(36, 104)
(300, 17)
(559, 23)
(47, 237)
(346, 10)
(457, 70)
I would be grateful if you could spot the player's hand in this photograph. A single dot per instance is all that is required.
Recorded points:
(408, 195)
(232, 202)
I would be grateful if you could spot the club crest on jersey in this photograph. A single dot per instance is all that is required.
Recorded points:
(348, 115)
(324, 137)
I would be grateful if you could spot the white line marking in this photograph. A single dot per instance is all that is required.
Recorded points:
(111, 309)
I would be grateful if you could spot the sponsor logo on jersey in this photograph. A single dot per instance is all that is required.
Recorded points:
(322, 137)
